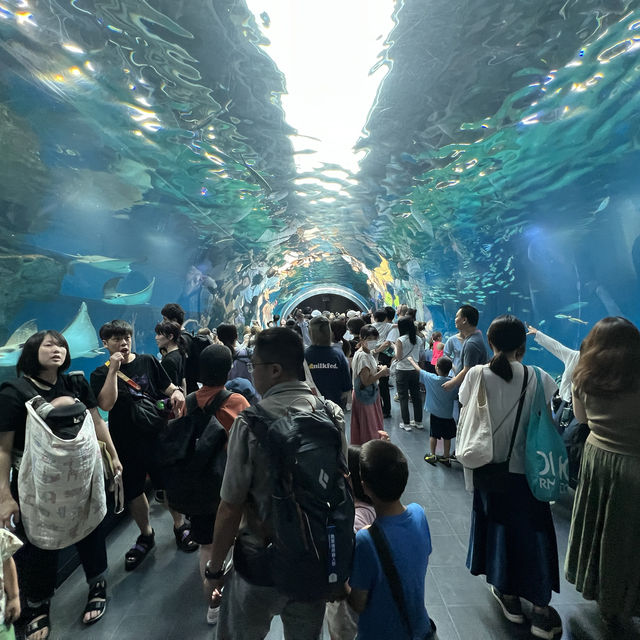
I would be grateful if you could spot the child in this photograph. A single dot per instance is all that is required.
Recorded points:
(342, 622)
(440, 404)
(9, 597)
(384, 473)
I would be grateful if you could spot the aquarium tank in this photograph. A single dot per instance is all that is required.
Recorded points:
(241, 157)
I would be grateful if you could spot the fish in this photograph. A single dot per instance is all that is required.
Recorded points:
(111, 296)
(258, 178)
(561, 316)
(115, 265)
(10, 352)
(577, 321)
(81, 336)
(603, 205)
(574, 307)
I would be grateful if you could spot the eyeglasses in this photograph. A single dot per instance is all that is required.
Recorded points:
(252, 365)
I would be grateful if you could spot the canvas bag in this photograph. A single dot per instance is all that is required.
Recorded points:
(474, 441)
(546, 460)
(60, 484)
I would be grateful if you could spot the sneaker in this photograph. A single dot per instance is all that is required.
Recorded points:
(396, 398)
(418, 425)
(546, 625)
(512, 608)
(406, 427)
(431, 458)
(183, 539)
(446, 461)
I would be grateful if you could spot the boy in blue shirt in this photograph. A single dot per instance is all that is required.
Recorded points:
(384, 473)
(440, 404)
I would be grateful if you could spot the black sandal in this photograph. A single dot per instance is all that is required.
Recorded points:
(183, 539)
(36, 619)
(96, 601)
(139, 551)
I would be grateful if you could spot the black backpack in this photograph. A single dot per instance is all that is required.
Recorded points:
(312, 507)
(192, 456)
(195, 345)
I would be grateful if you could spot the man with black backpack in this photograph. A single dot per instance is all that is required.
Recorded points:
(285, 500)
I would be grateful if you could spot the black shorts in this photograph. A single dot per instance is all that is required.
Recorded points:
(138, 460)
(442, 428)
(202, 527)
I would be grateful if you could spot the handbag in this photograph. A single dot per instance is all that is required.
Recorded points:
(391, 574)
(494, 477)
(148, 414)
(546, 461)
(474, 442)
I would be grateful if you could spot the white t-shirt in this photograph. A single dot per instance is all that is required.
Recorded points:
(502, 399)
(362, 360)
(408, 349)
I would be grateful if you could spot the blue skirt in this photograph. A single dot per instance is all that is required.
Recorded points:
(513, 542)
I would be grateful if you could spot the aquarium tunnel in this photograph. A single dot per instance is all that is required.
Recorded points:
(245, 157)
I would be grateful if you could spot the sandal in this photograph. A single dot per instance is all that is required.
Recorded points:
(36, 619)
(96, 601)
(139, 551)
(184, 542)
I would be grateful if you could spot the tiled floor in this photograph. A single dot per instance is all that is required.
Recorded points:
(162, 598)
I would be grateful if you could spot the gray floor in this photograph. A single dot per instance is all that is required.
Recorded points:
(162, 598)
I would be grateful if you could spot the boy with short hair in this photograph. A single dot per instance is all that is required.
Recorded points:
(440, 404)
(384, 473)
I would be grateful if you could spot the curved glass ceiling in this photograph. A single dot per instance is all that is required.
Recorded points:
(232, 155)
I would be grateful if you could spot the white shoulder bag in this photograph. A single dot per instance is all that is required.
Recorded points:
(474, 440)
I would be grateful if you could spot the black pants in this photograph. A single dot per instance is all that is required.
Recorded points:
(409, 385)
(38, 568)
(383, 385)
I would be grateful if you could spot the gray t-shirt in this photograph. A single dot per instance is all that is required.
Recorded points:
(473, 351)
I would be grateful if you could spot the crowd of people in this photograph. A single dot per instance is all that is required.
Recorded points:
(267, 396)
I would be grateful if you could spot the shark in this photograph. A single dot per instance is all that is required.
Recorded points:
(79, 334)
(115, 265)
(111, 296)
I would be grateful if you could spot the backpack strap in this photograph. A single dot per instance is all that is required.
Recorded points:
(390, 572)
(24, 387)
(191, 403)
(212, 408)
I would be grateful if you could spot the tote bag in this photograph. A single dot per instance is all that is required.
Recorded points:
(546, 460)
(60, 483)
(474, 440)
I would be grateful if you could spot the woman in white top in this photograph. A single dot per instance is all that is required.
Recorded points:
(409, 344)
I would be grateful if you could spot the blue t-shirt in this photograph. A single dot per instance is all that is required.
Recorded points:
(474, 351)
(410, 542)
(438, 402)
(329, 370)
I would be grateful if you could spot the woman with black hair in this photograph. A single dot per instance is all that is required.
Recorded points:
(408, 345)
(45, 356)
(172, 346)
(602, 558)
(512, 540)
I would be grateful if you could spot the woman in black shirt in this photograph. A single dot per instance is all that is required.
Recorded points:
(44, 358)
(172, 346)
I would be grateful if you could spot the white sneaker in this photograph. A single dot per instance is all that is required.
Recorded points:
(418, 425)
(406, 427)
(212, 615)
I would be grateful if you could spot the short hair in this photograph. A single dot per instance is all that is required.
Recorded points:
(173, 311)
(282, 346)
(379, 315)
(444, 365)
(320, 331)
(470, 313)
(168, 329)
(115, 329)
(353, 459)
(214, 364)
(29, 363)
(384, 469)
(227, 334)
(368, 331)
(355, 324)
(391, 313)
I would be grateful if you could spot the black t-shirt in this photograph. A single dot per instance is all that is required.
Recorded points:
(173, 363)
(147, 372)
(13, 415)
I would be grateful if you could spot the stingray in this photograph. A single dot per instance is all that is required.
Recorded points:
(111, 296)
(81, 336)
(10, 352)
(115, 265)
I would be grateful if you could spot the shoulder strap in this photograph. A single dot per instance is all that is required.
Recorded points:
(23, 386)
(525, 381)
(191, 402)
(391, 573)
(212, 408)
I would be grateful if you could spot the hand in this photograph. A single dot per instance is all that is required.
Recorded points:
(448, 386)
(177, 402)
(12, 609)
(531, 331)
(8, 508)
(213, 586)
(117, 466)
(384, 436)
(115, 360)
(384, 371)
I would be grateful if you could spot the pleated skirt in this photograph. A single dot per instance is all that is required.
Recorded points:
(513, 542)
(366, 420)
(603, 557)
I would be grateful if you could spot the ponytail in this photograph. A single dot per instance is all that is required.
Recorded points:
(406, 326)
(501, 366)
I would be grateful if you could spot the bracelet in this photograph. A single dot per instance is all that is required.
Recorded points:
(213, 575)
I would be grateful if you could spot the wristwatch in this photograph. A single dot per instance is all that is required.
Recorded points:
(212, 575)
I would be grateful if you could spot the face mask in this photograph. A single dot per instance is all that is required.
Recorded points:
(371, 344)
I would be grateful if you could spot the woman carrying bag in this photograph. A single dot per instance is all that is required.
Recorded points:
(512, 540)
(44, 358)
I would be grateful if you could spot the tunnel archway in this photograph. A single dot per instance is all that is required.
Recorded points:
(318, 290)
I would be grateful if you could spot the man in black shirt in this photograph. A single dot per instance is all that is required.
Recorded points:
(114, 385)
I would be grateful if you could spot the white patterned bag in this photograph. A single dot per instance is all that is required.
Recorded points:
(60, 484)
